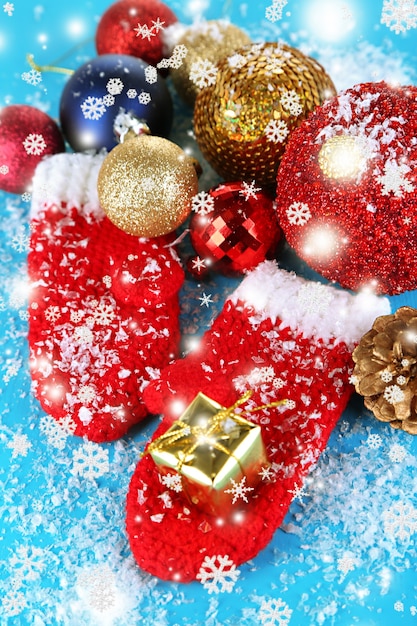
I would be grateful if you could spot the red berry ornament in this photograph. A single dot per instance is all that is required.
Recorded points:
(235, 227)
(347, 185)
(27, 135)
(134, 27)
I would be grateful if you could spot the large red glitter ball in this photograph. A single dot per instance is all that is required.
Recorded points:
(134, 27)
(347, 189)
(27, 135)
(234, 227)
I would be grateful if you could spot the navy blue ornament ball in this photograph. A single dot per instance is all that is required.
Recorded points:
(100, 89)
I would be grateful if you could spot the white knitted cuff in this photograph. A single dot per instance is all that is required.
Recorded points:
(68, 178)
(316, 310)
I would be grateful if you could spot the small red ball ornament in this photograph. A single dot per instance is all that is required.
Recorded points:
(134, 27)
(234, 227)
(347, 184)
(27, 135)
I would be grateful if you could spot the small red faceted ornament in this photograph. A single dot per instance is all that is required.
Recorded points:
(347, 189)
(134, 27)
(234, 227)
(27, 135)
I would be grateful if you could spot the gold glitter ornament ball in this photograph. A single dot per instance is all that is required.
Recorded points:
(146, 185)
(260, 95)
(206, 43)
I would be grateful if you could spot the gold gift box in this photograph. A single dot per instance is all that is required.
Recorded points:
(210, 446)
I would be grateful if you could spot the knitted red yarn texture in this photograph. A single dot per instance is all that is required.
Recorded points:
(169, 536)
(103, 319)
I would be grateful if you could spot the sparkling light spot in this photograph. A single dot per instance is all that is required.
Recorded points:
(76, 27)
(322, 242)
(330, 20)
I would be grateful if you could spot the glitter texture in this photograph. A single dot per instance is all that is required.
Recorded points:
(361, 229)
(243, 121)
(146, 186)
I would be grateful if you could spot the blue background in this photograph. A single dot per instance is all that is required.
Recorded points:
(64, 557)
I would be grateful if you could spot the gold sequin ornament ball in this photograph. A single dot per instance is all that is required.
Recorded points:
(206, 43)
(146, 185)
(261, 93)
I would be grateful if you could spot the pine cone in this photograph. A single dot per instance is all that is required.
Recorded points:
(385, 370)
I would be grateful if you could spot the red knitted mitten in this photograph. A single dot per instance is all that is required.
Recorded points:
(282, 337)
(103, 313)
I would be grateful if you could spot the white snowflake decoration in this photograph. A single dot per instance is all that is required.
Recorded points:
(298, 213)
(4, 170)
(20, 445)
(103, 313)
(374, 441)
(290, 101)
(144, 97)
(34, 144)
(399, 15)
(276, 131)
(172, 481)
(90, 461)
(249, 190)
(397, 453)
(203, 73)
(238, 490)
(400, 520)
(274, 613)
(93, 108)
(273, 13)
(151, 74)
(394, 179)
(146, 32)
(86, 394)
(393, 394)
(114, 86)
(202, 203)
(218, 574)
(109, 100)
(55, 434)
(28, 562)
(8, 8)
(386, 376)
(175, 60)
(33, 77)
(13, 603)
(100, 584)
(20, 241)
(236, 61)
(131, 93)
(52, 313)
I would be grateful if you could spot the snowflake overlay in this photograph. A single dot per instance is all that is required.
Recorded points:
(93, 108)
(274, 613)
(399, 15)
(298, 213)
(238, 490)
(220, 577)
(202, 203)
(276, 131)
(90, 461)
(394, 180)
(34, 144)
(203, 73)
(400, 520)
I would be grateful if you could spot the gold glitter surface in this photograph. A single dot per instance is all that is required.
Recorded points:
(242, 122)
(212, 41)
(145, 186)
(342, 157)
